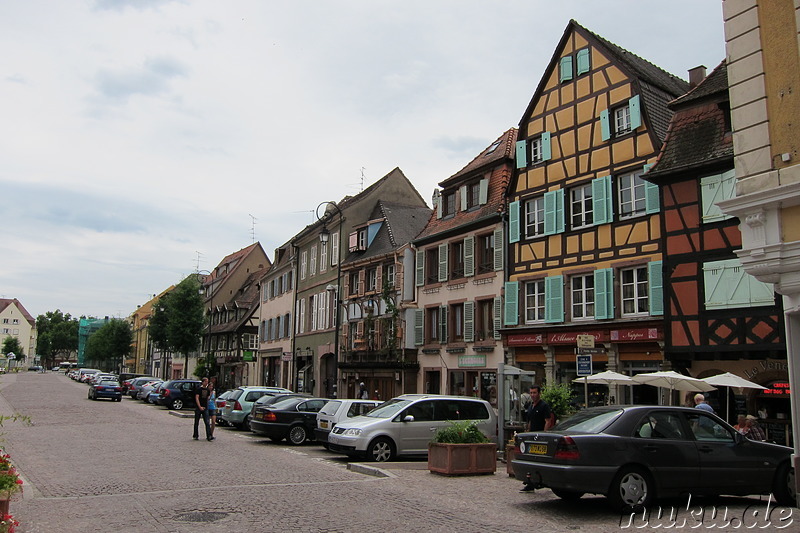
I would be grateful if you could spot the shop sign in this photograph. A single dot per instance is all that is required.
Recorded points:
(286, 356)
(525, 339)
(584, 364)
(778, 388)
(767, 365)
(247, 355)
(643, 334)
(572, 338)
(466, 361)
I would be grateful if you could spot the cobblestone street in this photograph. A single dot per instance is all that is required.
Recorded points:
(108, 466)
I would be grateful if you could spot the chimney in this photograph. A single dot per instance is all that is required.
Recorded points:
(696, 75)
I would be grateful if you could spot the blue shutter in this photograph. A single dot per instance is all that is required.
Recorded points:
(554, 299)
(522, 154)
(546, 151)
(655, 285)
(419, 324)
(513, 222)
(605, 126)
(583, 61)
(554, 212)
(636, 112)
(420, 268)
(511, 310)
(651, 202)
(602, 200)
(469, 321)
(469, 256)
(565, 69)
(604, 293)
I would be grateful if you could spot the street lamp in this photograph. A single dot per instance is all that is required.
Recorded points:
(324, 237)
(210, 317)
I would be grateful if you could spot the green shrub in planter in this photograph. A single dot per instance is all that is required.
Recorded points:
(460, 432)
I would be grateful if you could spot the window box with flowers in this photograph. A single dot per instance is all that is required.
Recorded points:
(10, 483)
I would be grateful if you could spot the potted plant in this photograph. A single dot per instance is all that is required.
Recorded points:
(461, 449)
(8, 524)
(10, 482)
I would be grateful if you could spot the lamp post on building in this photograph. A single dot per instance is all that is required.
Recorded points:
(202, 291)
(324, 237)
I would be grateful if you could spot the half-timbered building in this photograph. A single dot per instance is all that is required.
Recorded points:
(584, 231)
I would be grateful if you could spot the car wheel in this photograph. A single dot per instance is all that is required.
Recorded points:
(177, 405)
(297, 435)
(632, 489)
(568, 495)
(784, 487)
(380, 450)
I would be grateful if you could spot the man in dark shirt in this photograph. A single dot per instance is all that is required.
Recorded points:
(201, 395)
(539, 415)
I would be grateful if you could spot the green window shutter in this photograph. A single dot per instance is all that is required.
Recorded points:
(714, 189)
(513, 222)
(463, 198)
(554, 299)
(547, 153)
(602, 200)
(522, 154)
(483, 191)
(565, 69)
(727, 285)
(605, 125)
(497, 308)
(554, 212)
(419, 325)
(583, 61)
(469, 321)
(655, 286)
(443, 324)
(420, 268)
(511, 308)
(498, 248)
(443, 262)
(636, 112)
(652, 204)
(469, 256)
(604, 293)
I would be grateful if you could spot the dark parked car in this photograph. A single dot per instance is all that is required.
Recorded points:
(178, 393)
(635, 454)
(105, 389)
(293, 418)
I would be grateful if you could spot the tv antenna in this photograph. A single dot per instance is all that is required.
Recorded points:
(197, 261)
(252, 227)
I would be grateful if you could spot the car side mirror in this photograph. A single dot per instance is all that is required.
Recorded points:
(408, 418)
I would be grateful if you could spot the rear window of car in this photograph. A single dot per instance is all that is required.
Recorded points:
(254, 395)
(331, 407)
(286, 403)
(360, 408)
(235, 394)
(588, 422)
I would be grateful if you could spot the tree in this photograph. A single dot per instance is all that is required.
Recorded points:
(110, 344)
(177, 322)
(11, 344)
(57, 336)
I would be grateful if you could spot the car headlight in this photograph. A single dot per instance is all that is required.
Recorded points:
(351, 432)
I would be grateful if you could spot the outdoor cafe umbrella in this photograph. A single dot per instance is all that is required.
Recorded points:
(669, 379)
(604, 378)
(730, 380)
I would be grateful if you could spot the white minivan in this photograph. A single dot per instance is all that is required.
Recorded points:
(406, 424)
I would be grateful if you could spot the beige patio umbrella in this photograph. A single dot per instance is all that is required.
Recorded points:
(669, 379)
(603, 378)
(730, 380)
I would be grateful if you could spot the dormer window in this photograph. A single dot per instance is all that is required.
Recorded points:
(448, 204)
(358, 240)
(622, 120)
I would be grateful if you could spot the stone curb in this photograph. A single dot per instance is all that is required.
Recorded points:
(368, 470)
(181, 414)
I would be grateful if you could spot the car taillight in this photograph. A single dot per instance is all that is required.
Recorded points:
(118, 388)
(237, 406)
(567, 449)
(270, 416)
(165, 393)
(221, 404)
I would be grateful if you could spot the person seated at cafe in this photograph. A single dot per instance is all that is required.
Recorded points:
(754, 430)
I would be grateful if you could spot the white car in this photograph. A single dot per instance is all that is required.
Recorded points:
(337, 411)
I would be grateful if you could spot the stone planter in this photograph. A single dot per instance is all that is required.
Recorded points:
(462, 459)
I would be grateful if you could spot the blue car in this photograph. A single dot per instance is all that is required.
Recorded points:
(106, 389)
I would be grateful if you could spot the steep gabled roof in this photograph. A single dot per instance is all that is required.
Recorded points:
(401, 223)
(500, 149)
(246, 298)
(5, 302)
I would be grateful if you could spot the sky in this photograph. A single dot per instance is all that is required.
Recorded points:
(142, 140)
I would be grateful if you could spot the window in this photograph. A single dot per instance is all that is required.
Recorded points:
(632, 198)
(473, 195)
(323, 256)
(582, 297)
(536, 150)
(362, 239)
(727, 285)
(372, 279)
(456, 326)
(388, 275)
(534, 301)
(581, 204)
(303, 263)
(622, 120)
(353, 283)
(534, 217)
(634, 287)
(485, 253)
(484, 320)
(448, 201)
(431, 325)
(313, 265)
(432, 265)
(457, 260)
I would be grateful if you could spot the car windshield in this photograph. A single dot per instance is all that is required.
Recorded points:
(389, 409)
(331, 407)
(588, 422)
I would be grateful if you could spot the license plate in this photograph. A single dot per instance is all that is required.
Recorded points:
(537, 449)
(323, 424)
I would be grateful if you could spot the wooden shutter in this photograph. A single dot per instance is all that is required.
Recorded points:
(443, 262)
(464, 193)
(636, 112)
(655, 286)
(714, 189)
(419, 327)
(547, 152)
(443, 324)
(379, 278)
(554, 299)
(346, 284)
(469, 321)
(554, 212)
(565, 69)
(513, 222)
(511, 308)
(361, 282)
(483, 191)
(604, 293)
(522, 153)
(605, 125)
(602, 200)
(583, 61)
(498, 249)
(469, 256)
(419, 271)
(497, 309)
(438, 206)
(651, 201)
(345, 335)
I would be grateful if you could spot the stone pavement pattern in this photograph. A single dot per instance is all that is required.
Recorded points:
(112, 467)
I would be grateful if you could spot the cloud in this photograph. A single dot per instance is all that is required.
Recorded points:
(121, 5)
(152, 78)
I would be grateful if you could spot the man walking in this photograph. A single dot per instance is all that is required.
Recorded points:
(539, 417)
(201, 396)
